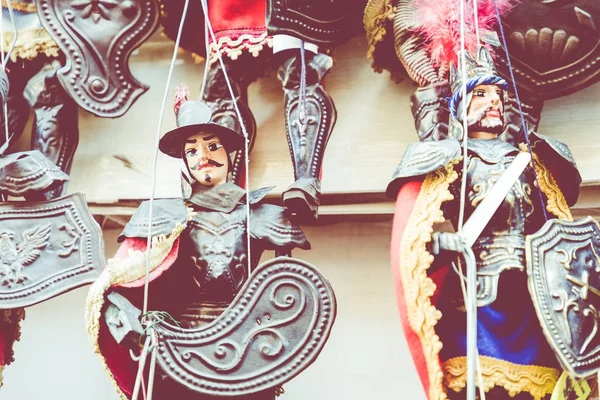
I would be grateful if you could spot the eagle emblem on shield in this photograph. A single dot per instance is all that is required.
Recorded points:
(563, 268)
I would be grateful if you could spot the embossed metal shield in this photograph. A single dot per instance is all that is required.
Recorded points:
(274, 329)
(46, 249)
(563, 267)
(97, 38)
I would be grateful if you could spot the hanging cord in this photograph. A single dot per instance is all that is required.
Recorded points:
(523, 122)
(155, 160)
(470, 301)
(239, 115)
(207, 59)
(476, 19)
(5, 57)
(302, 100)
(145, 349)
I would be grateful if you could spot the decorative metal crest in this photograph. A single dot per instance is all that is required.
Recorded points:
(554, 45)
(563, 267)
(274, 329)
(97, 38)
(47, 249)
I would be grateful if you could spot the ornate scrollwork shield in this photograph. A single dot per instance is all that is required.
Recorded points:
(97, 38)
(46, 249)
(274, 329)
(563, 267)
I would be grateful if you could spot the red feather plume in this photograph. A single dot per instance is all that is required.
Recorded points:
(439, 22)
(180, 97)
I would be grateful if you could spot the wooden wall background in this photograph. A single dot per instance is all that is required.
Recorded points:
(113, 163)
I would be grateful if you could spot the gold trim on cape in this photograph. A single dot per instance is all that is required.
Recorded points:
(414, 262)
(557, 203)
(30, 44)
(514, 378)
(22, 7)
(377, 15)
(129, 269)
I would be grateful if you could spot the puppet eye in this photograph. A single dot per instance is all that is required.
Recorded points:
(215, 146)
(190, 152)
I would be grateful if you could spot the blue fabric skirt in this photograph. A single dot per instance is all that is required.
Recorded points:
(507, 329)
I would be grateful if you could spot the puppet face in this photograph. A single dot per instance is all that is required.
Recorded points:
(486, 110)
(206, 159)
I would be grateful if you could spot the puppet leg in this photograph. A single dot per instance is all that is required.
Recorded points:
(218, 98)
(17, 108)
(308, 137)
(55, 130)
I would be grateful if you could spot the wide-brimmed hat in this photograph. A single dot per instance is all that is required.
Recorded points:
(193, 117)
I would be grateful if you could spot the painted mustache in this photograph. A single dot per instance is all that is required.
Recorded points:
(483, 113)
(198, 166)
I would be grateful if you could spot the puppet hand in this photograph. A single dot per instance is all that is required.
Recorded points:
(446, 241)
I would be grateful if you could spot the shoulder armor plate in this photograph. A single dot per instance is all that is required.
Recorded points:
(271, 224)
(29, 171)
(557, 157)
(167, 213)
(421, 158)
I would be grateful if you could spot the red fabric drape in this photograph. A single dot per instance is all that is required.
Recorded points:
(117, 357)
(405, 206)
(239, 16)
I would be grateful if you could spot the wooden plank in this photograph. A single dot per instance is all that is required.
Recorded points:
(114, 159)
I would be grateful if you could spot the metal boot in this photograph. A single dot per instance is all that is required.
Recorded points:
(307, 138)
(55, 130)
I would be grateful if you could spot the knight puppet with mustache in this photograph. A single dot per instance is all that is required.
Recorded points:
(514, 355)
(199, 252)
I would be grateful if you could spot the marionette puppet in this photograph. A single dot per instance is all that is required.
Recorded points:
(47, 247)
(295, 39)
(533, 278)
(66, 55)
(219, 325)
(553, 46)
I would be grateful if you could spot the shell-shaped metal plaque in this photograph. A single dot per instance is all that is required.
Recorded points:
(97, 38)
(563, 267)
(47, 249)
(274, 329)
(554, 46)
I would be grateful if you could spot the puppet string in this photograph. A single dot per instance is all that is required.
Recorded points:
(140, 371)
(207, 59)
(5, 59)
(155, 160)
(242, 125)
(302, 105)
(476, 19)
(470, 301)
(523, 122)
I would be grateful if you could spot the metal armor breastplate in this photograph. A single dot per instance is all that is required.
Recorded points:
(501, 245)
(214, 245)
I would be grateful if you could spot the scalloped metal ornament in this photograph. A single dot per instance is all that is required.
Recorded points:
(97, 37)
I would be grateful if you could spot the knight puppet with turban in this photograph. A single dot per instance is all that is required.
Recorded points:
(515, 357)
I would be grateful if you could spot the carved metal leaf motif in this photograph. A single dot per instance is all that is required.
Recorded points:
(95, 8)
(34, 239)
